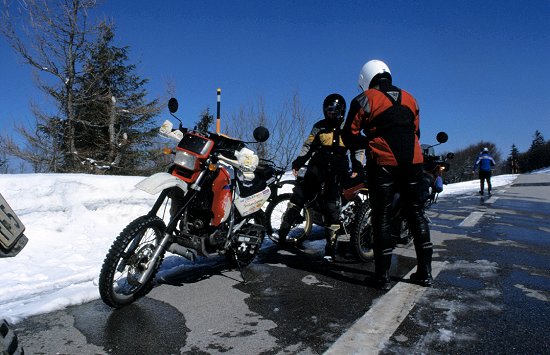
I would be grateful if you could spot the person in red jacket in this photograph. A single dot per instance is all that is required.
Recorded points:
(389, 119)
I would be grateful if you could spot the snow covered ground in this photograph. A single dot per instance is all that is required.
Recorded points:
(71, 221)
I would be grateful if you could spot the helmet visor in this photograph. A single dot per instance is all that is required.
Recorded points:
(333, 110)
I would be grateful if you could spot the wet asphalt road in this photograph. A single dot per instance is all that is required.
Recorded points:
(491, 296)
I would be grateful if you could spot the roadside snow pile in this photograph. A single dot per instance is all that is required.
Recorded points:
(473, 185)
(71, 221)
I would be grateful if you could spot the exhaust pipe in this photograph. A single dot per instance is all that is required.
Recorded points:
(182, 251)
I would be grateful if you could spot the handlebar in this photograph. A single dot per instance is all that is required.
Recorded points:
(227, 160)
(277, 170)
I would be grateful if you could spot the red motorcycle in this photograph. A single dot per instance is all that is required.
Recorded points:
(354, 195)
(215, 198)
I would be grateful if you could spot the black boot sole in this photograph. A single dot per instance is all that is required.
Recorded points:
(422, 281)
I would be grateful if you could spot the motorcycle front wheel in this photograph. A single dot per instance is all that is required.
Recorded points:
(275, 210)
(129, 257)
(361, 233)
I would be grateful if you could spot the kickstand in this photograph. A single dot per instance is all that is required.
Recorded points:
(239, 265)
(344, 228)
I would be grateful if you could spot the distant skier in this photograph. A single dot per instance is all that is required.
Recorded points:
(484, 163)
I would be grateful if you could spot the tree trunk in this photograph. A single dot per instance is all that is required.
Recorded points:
(113, 148)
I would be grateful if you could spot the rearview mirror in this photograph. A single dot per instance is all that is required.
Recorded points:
(261, 134)
(442, 137)
(173, 105)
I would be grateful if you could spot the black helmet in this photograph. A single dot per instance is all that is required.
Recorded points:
(334, 107)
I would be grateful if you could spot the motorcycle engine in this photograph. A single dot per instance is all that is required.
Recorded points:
(198, 221)
(199, 214)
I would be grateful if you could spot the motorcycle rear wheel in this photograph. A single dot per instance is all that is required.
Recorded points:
(274, 214)
(128, 257)
(361, 233)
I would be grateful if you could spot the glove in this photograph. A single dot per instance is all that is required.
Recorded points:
(298, 163)
(356, 166)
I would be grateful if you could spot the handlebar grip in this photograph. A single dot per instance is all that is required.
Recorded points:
(227, 160)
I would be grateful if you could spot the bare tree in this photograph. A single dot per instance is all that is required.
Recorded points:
(288, 129)
(52, 39)
(41, 150)
(4, 168)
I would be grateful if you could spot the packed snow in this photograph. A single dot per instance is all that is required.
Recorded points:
(71, 221)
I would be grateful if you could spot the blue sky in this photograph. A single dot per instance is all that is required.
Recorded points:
(479, 69)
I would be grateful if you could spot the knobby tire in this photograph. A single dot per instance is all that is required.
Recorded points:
(361, 234)
(273, 220)
(134, 232)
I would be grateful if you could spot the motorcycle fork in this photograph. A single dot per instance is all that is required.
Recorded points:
(167, 238)
(171, 226)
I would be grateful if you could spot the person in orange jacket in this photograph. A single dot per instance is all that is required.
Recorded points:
(389, 119)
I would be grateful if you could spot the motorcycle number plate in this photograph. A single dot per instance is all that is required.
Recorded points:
(252, 203)
(10, 225)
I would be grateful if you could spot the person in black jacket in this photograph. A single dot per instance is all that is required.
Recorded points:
(328, 166)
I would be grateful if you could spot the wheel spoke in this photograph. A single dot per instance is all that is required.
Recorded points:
(129, 257)
(275, 212)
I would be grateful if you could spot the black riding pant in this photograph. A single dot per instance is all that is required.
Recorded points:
(317, 178)
(384, 183)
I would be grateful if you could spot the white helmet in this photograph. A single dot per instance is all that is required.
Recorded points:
(371, 69)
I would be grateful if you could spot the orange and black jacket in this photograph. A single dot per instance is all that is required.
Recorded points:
(389, 119)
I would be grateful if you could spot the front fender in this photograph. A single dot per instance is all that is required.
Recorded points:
(159, 182)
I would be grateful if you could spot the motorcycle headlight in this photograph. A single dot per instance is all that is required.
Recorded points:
(185, 160)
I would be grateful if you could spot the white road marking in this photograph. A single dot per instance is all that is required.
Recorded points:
(369, 333)
(472, 219)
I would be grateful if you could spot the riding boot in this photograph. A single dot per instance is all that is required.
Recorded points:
(423, 274)
(289, 217)
(382, 265)
(330, 247)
